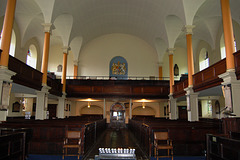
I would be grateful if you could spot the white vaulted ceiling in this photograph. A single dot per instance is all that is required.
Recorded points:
(158, 22)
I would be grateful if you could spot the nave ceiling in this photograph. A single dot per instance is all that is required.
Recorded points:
(158, 22)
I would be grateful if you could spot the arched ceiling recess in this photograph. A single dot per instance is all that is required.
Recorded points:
(76, 45)
(161, 48)
(63, 24)
(174, 28)
(142, 18)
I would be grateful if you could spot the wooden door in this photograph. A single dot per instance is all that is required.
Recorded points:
(52, 110)
(182, 111)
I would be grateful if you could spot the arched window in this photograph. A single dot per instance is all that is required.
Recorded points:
(12, 45)
(203, 59)
(222, 47)
(32, 56)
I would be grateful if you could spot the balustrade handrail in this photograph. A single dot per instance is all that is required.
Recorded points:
(117, 78)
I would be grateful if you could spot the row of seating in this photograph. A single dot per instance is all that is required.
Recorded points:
(223, 147)
(14, 143)
(48, 135)
(188, 138)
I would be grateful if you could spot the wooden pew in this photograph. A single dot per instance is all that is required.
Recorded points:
(48, 135)
(188, 137)
(27, 131)
(222, 148)
(12, 146)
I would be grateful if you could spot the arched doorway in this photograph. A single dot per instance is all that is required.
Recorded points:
(117, 115)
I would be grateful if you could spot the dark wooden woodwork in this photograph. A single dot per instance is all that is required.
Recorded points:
(117, 88)
(237, 63)
(208, 77)
(48, 135)
(28, 135)
(12, 146)
(230, 125)
(56, 86)
(222, 148)
(182, 112)
(178, 88)
(52, 108)
(25, 75)
(188, 137)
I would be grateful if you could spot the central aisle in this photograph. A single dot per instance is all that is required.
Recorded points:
(113, 138)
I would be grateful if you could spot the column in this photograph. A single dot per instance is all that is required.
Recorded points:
(172, 101)
(192, 105)
(7, 32)
(160, 71)
(232, 99)
(192, 98)
(229, 77)
(65, 54)
(75, 69)
(171, 75)
(130, 109)
(188, 29)
(104, 108)
(61, 106)
(42, 103)
(5, 73)
(228, 34)
(47, 29)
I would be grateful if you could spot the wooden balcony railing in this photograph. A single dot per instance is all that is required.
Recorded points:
(25, 75)
(30, 77)
(178, 88)
(208, 77)
(56, 86)
(237, 63)
(117, 88)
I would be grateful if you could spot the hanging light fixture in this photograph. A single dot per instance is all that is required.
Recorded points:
(143, 105)
(89, 104)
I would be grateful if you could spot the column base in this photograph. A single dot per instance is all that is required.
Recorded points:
(232, 99)
(173, 115)
(192, 104)
(3, 115)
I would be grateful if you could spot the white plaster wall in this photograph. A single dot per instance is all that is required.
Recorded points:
(56, 58)
(147, 111)
(179, 58)
(95, 57)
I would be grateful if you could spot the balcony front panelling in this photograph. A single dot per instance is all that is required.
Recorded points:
(97, 89)
(117, 89)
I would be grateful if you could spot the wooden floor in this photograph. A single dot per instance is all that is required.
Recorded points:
(113, 138)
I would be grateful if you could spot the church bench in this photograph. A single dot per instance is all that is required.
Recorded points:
(188, 137)
(48, 135)
(12, 146)
(222, 148)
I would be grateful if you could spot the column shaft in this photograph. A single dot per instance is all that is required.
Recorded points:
(190, 59)
(7, 32)
(75, 71)
(171, 82)
(160, 72)
(45, 57)
(64, 72)
(228, 34)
